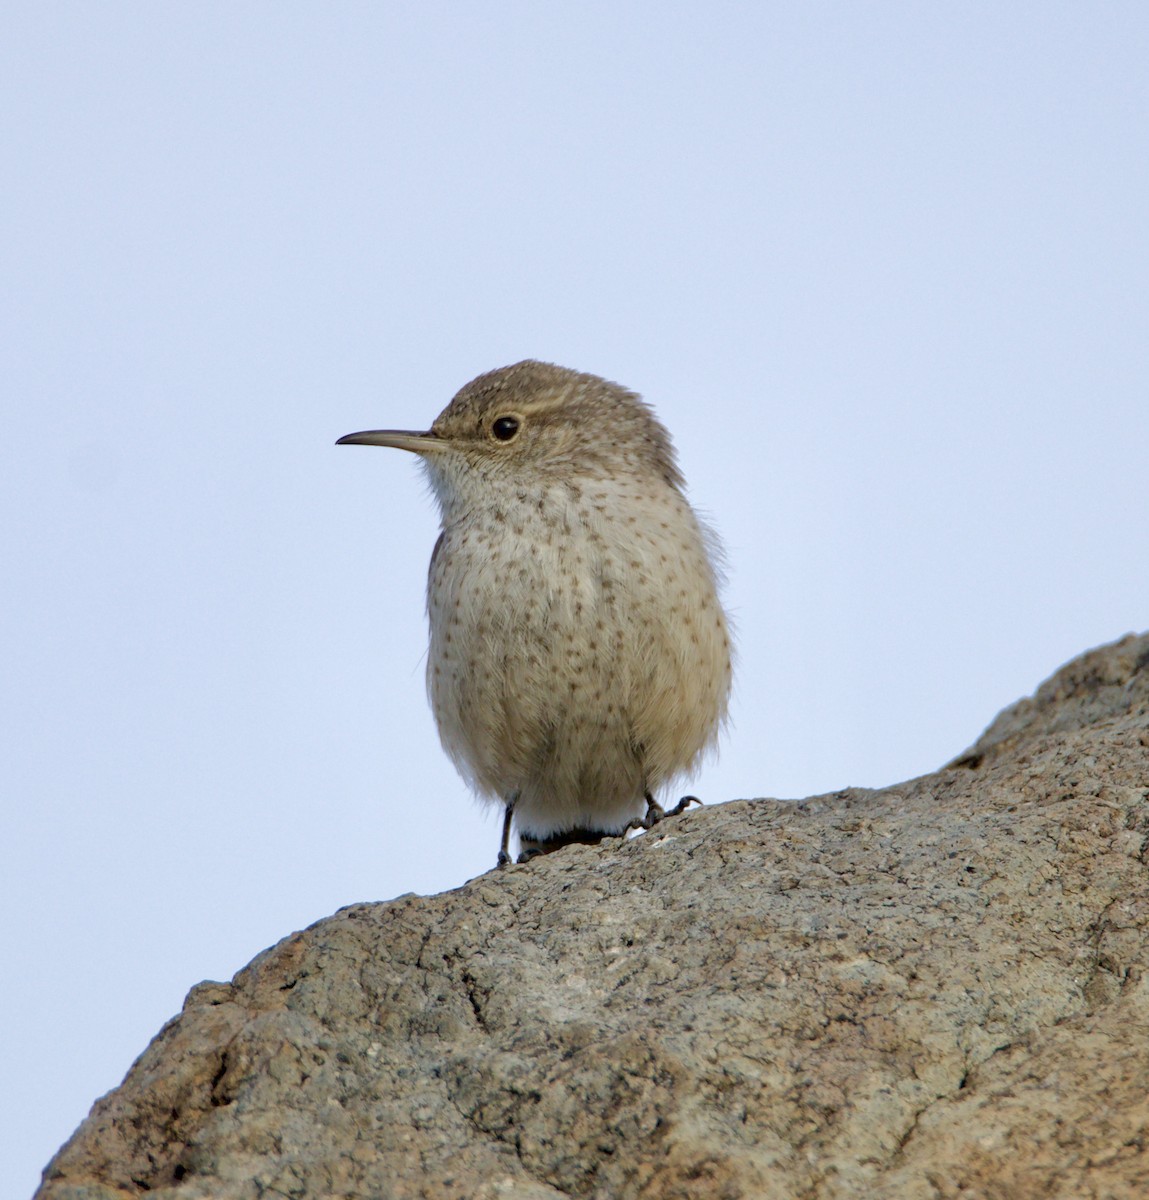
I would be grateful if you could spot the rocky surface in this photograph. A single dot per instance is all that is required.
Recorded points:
(934, 990)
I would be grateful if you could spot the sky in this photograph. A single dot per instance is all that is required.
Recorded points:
(881, 268)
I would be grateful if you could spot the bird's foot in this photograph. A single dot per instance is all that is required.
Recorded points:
(655, 812)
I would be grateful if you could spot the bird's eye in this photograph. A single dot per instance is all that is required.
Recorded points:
(504, 429)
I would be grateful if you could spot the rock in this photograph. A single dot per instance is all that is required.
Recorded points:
(934, 990)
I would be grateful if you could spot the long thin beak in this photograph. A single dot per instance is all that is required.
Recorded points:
(400, 439)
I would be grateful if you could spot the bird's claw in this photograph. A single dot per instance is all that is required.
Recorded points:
(681, 806)
(656, 813)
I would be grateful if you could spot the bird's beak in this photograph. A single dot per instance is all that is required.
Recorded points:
(399, 439)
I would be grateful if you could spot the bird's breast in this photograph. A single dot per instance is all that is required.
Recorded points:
(538, 560)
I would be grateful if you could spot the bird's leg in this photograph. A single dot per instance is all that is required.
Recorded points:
(655, 812)
(505, 845)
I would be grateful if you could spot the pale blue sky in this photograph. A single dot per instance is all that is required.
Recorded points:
(883, 270)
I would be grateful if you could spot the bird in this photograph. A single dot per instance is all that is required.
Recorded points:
(580, 659)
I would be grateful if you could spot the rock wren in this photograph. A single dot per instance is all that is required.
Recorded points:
(579, 658)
